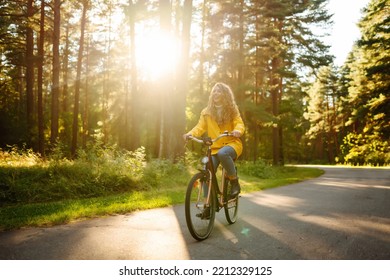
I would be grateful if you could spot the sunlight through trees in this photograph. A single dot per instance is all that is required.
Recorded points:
(136, 73)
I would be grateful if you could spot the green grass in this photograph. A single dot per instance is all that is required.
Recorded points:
(36, 192)
(284, 176)
(60, 212)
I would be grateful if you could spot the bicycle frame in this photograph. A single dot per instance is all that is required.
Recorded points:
(210, 172)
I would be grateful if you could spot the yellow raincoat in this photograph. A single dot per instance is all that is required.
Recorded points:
(208, 124)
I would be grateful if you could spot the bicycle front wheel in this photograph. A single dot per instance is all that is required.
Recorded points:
(199, 214)
(230, 204)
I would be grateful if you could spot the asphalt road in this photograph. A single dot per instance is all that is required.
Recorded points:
(344, 214)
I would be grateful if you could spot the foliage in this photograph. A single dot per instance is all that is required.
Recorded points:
(323, 104)
(367, 111)
(162, 172)
(99, 171)
(259, 169)
(164, 184)
(358, 149)
(13, 156)
(27, 178)
(268, 51)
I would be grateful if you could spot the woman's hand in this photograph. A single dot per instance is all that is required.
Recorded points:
(185, 136)
(236, 133)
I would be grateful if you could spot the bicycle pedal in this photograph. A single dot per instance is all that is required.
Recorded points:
(205, 215)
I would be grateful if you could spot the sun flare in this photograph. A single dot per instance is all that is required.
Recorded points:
(156, 54)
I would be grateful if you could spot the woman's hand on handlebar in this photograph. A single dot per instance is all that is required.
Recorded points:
(186, 136)
(236, 133)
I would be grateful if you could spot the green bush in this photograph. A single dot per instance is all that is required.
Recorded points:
(161, 172)
(359, 149)
(98, 171)
(259, 169)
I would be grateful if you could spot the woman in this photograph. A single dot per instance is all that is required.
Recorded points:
(220, 115)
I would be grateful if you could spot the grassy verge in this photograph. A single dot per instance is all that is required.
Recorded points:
(164, 192)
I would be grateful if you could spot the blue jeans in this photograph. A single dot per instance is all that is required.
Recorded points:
(226, 156)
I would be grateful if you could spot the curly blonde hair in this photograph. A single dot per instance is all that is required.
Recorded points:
(228, 109)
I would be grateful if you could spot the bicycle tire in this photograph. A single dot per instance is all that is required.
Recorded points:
(199, 226)
(230, 205)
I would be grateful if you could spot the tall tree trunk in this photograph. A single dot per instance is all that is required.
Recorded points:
(65, 97)
(277, 65)
(202, 49)
(134, 108)
(258, 86)
(179, 118)
(75, 128)
(56, 72)
(240, 66)
(85, 115)
(336, 121)
(280, 126)
(106, 81)
(65, 100)
(30, 69)
(275, 111)
(41, 140)
(165, 84)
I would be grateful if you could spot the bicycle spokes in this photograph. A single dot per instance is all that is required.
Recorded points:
(230, 204)
(199, 214)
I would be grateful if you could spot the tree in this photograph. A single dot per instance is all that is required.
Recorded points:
(178, 124)
(259, 47)
(75, 127)
(372, 94)
(322, 114)
(56, 72)
(135, 94)
(266, 50)
(369, 89)
(41, 125)
(286, 44)
(13, 109)
(30, 67)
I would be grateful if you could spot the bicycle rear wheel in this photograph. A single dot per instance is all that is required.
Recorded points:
(200, 222)
(230, 204)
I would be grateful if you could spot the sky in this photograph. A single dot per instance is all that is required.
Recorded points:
(347, 14)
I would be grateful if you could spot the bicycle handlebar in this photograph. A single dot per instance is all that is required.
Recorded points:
(208, 141)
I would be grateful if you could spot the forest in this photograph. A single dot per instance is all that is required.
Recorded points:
(132, 73)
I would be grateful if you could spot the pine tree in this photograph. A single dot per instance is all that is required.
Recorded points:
(322, 114)
(369, 89)
(13, 109)
(288, 44)
(375, 65)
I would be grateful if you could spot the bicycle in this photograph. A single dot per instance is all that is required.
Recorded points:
(204, 197)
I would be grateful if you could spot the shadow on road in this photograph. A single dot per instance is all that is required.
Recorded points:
(345, 214)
